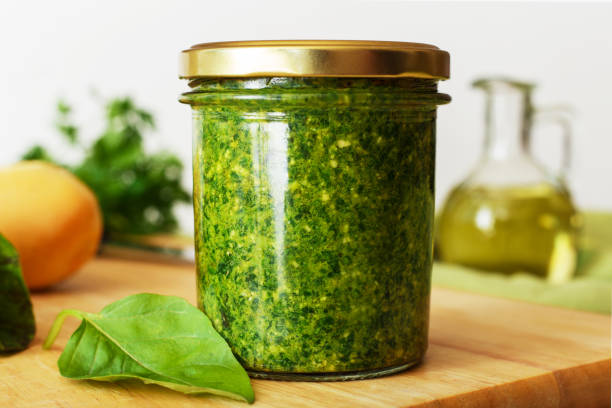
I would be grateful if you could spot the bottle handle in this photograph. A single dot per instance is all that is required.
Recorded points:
(558, 115)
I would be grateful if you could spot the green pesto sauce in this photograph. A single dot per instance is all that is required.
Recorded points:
(314, 203)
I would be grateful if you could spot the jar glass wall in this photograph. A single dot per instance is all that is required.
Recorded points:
(314, 204)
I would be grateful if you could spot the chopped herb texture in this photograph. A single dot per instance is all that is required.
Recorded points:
(314, 203)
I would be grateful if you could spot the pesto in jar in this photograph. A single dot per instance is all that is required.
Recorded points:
(314, 203)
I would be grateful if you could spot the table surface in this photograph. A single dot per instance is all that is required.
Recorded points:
(484, 352)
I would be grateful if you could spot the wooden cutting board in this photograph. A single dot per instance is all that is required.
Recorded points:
(484, 352)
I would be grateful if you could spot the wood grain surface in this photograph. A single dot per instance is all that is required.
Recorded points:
(484, 352)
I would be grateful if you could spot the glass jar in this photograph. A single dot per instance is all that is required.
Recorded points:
(314, 202)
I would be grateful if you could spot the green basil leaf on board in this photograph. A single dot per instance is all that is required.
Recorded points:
(158, 339)
(17, 325)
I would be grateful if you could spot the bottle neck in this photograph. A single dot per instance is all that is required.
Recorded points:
(506, 124)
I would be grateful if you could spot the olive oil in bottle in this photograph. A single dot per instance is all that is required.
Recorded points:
(509, 229)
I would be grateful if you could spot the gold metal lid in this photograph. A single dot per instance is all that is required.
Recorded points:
(314, 58)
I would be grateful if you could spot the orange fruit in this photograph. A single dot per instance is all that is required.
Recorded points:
(51, 218)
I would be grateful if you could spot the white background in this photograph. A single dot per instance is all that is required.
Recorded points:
(69, 48)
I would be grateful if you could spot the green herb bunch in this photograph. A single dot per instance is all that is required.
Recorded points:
(136, 190)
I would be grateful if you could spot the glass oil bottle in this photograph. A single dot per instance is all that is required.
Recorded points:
(511, 214)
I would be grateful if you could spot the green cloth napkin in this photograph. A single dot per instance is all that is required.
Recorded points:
(590, 290)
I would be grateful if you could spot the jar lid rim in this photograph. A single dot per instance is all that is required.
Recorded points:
(314, 58)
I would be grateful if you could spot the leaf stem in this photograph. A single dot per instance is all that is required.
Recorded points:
(57, 325)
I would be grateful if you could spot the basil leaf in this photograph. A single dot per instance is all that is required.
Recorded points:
(17, 325)
(158, 339)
